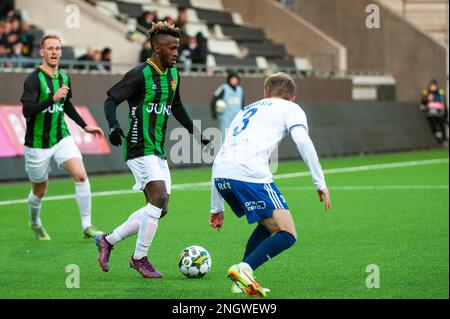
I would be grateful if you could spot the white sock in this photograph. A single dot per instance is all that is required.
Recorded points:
(34, 207)
(147, 229)
(128, 228)
(83, 197)
(245, 266)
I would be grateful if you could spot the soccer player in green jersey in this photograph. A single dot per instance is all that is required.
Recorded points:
(45, 99)
(152, 91)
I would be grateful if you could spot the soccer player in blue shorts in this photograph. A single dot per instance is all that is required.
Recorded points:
(241, 175)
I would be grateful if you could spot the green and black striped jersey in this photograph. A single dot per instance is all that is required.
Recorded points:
(152, 95)
(45, 124)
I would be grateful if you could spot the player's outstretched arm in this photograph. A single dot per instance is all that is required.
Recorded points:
(217, 208)
(116, 134)
(70, 110)
(308, 152)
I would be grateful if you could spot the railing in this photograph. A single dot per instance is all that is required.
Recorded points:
(94, 67)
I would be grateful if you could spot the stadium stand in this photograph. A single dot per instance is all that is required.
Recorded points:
(229, 41)
(215, 40)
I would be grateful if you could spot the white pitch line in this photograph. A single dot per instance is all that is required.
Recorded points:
(279, 176)
(348, 188)
(366, 168)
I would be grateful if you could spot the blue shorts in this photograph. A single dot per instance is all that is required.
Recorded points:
(254, 200)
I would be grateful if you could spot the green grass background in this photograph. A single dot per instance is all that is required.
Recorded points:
(404, 232)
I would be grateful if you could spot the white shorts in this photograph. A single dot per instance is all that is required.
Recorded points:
(37, 160)
(150, 168)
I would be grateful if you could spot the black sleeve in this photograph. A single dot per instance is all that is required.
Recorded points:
(30, 97)
(69, 93)
(110, 112)
(214, 101)
(126, 87)
(70, 110)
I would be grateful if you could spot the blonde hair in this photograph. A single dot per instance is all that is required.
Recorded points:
(46, 37)
(162, 27)
(280, 85)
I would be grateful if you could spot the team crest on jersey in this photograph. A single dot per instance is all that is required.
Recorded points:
(174, 84)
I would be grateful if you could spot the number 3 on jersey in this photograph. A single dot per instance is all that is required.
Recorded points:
(245, 121)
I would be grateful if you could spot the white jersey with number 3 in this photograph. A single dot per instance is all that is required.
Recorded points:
(253, 135)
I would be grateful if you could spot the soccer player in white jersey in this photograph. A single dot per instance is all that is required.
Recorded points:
(241, 175)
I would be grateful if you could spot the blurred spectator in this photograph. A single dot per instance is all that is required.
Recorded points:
(181, 22)
(227, 101)
(6, 8)
(435, 110)
(202, 51)
(17, 58)
(8, 39)
(146, 52)
(182, 19)
(97, 58)
(147, 19)
(169, 20)
(12, 33)
(27, 39)
(15, 25)
(88, 56)
(194, 52)
(3, 35)
(106, 56)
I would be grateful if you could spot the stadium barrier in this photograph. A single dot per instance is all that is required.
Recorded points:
(337, 129)
(338, 126)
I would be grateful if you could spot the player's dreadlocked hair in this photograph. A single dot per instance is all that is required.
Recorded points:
(162, 27)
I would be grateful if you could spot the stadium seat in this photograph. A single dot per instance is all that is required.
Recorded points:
(210, 61)
(207, 4)
(133, 10)
(303, 64)
(108, 8)
(268, 50)
(284, 63)
(223, 46)
(227, 60)
(193, 28)
(181, 3)
(237, 18)
(262, 62)
(138, 1)
(247, 34)
(163, 11)
(192, 15)
(215, 17)
(68, 53)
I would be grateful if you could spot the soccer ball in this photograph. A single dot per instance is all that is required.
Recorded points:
(220, 106)
(194, 262)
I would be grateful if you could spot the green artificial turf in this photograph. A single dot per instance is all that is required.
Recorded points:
(395, 218)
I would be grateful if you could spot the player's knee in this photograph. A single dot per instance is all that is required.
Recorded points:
(39, 192)
(160, 199)
(80, 176)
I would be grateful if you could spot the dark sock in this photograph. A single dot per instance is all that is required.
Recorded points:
(259, 235)
(270, 248)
